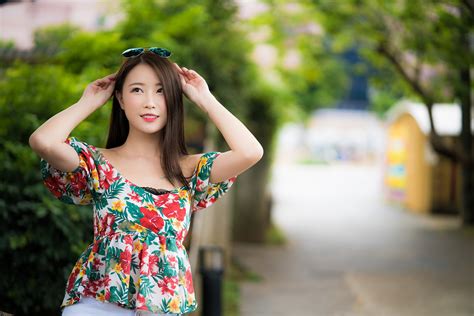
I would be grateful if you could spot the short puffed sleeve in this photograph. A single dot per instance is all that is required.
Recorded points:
(205, 192)
(73, 187)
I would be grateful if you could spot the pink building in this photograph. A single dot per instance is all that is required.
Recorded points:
(19, 19)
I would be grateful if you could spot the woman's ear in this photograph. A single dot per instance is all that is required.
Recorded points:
(118, 95)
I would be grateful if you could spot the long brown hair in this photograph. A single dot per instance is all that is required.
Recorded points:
(172, 135)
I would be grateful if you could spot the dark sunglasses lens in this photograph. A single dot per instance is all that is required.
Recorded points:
(163, 52)
(132, 52)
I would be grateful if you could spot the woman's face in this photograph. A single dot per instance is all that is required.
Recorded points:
(142, 94)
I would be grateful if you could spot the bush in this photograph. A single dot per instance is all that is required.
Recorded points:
(40, 240)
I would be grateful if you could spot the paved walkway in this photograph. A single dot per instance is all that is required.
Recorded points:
(350, 254)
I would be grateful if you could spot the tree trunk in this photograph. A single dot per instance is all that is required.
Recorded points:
(251, 211)
(464, 94)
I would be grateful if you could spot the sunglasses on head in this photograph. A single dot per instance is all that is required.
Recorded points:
(137, 51)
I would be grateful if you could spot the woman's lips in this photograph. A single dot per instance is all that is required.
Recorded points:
(149, 118)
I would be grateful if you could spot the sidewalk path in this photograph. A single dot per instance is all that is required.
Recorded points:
(350, 254)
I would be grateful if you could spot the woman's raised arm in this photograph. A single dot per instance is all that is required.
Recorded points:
(48, 139)
(245, 148)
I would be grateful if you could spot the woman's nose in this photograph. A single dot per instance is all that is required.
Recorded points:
(151, 101)
(150, 105)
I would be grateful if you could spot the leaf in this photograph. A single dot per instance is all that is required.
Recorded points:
(165, 305)
(134, 211)
(112, 191)
(116, 294)
(171, 245)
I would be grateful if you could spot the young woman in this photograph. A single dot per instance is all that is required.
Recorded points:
(143, 186)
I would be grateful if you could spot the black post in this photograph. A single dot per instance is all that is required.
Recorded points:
(211, 262)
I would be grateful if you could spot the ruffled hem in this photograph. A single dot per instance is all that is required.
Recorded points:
(141, 271)
(77, 298)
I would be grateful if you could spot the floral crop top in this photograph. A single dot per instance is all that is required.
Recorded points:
(137, 259)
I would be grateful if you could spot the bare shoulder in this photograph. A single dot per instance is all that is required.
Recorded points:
(189, 162)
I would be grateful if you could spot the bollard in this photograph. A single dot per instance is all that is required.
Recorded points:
(211, 262)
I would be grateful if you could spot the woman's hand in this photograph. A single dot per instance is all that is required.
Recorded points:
(194, 86)
(99, 91)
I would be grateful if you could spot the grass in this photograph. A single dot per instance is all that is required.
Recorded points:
(274, 236)
(238, 273)
(232, 278)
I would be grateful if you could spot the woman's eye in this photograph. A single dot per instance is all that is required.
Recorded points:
(135, 89)
(160, 90)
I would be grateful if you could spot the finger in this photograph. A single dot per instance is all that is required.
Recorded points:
(180, 72)
(98, 84)
(177, 67)
(182, 80)
(194, 73)
(188, 73)
(101, 81)
(110, 87)
(108, 78)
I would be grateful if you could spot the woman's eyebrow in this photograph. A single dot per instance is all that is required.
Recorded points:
(142, 84)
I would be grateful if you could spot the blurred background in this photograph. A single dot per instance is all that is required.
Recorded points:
(363, 201)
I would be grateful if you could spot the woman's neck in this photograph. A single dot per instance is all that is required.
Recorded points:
(141, 145)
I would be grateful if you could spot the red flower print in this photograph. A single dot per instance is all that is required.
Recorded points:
(200, 185)
(78, 183)
(132, 229)
(125, 260)
(174, 210)
(151, 220)
(168, 284)
(189, 281)
(143, 253)
(150, 266)
(96, 264)
(153, 264)
(180, 235)
(71, 280)
(52, 186)
(95, 247)
(127, 239)
(106, 280)
(134, 196)
(109, 174)
(172, 259)
(90, 290)
(57, 184)
(140, 300)
(107, 224)
(93, 286)
(162, 240)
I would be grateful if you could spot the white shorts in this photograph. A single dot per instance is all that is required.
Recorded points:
(90, 306)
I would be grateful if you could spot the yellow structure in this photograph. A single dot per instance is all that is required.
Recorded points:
(416, 177)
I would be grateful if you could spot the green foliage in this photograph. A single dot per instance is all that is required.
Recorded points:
(40, 237)
(318, 79)
(268, 109)
(231, 296)
(424, 37)
(47, 40)
(275, 236)
(43, 237)
(96, 50)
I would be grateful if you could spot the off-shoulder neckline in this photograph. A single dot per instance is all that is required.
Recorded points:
(174, 190)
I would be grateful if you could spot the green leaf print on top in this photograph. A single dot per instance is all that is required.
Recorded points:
(137, 259)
